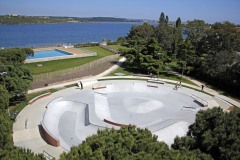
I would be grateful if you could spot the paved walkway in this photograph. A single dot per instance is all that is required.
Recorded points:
(211, 91)
(206, 89)
(26, 134)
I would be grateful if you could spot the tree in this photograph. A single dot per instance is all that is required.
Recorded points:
(15, 55)
(128, 142)
(186, 52)
(221, 37)
(17, 79)
(139, 35)
(121, 40)
(177, 36)
(7, 149)
(214, 132)
(147, 59)
(4, 99)
(164, 33)
(218, 53)
(195, 31)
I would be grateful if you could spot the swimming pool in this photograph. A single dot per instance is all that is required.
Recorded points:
(48, 54)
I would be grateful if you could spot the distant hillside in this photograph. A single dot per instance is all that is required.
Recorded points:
(17, 19)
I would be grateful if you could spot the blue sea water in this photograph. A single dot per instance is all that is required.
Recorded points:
(38, 35)
(48, 54)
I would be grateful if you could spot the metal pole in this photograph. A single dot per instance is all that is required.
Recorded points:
(158, 64)
(182, 73)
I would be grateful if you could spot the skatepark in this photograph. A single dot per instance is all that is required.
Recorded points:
(70, 119)
(63, 119)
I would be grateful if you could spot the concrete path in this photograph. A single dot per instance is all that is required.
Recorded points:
(211, 91)
(113, 68)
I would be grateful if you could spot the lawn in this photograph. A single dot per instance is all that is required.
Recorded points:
(118, 47)
(163, 74)
(51, 66)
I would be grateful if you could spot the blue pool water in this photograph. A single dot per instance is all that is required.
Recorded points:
(48, 54)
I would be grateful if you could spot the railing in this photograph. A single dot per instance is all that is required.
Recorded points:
(47, 155)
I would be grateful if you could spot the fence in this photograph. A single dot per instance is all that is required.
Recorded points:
(72, 73)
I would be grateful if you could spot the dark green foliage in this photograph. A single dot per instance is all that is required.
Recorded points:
(217, 51)
(195, 31)
(186, 57)
(128, 143)
(164, 33)
(140, 35)
(221, 37)
(17, 77)
(19, 154)
(214, 132)
(4, 99)
(11, 19)
(210, 52)
(121, 41)
(7, 150)
(15, 55)
(177, 33)
(147, 60)
(5, 131)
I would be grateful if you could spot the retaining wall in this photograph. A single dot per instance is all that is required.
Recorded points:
(71, 73)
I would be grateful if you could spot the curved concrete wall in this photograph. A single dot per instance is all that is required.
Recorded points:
(51, 118)
(49, 138)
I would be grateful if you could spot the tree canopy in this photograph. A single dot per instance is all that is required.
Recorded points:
(15, 76)
(214, 132)
(126, 143)
(139, 35)
(4, 99)
(210, 52)
(7, 150)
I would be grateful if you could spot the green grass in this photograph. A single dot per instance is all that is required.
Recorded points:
(108, 79)
(171, 76)
(163, 74)
(51, 66)
(29, 97)
(118, 47)
(71, 85)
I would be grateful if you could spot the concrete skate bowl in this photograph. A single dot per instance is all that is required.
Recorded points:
(164, 111)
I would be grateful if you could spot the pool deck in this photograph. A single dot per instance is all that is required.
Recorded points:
(69, 50)
(76, 54)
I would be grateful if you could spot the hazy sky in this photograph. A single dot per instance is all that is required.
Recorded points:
(208, 10)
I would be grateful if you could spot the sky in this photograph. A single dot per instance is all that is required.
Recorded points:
(209, 10)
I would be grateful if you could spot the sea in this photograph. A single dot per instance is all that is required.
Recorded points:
(43, 35)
